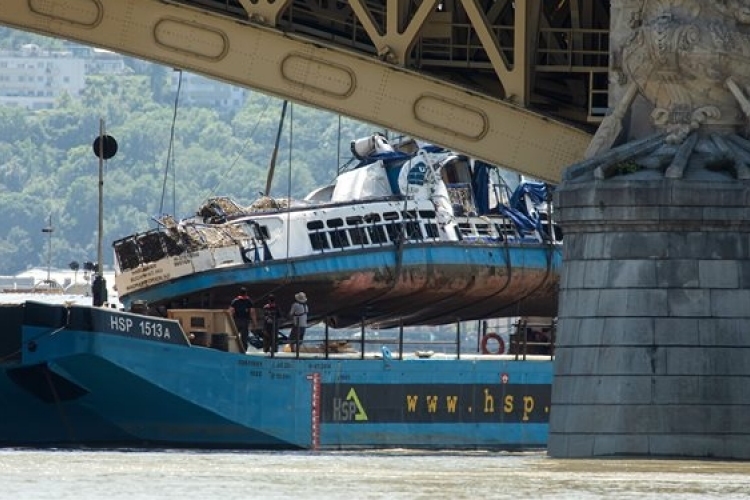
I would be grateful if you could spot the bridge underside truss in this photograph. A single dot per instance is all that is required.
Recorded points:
(517, 83)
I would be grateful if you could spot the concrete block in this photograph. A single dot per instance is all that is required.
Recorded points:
(574, 195)
(573, 247)
(725, 213)
(614, 360)
(605, 419)
(611, 360)
(632, 274)
(597, 246)
(641, 214)
(743, 273)
(696, 194)
(588, 332)
(730, 303)
(700, 390)
(596, 274)
(678, 213)
(563, 360)
(646, 302)
(676, 331)
(692, 302)
(628, 331)
(680, 445)
(733, 332)
(643, 245)
(567, 303)
(686, 245)
(719, 245)
(677, 273)
(588, 303)
(573, 273)
(718, 274)
(613, 302)
(602, 390)
(708, 361)
(568, 332)
(568, 445)
(573, 216)
(607, 445)
(734, 446)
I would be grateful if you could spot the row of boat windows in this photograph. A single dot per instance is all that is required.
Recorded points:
(338, 232)
(155, 245)
(372, 235)
(371, 229)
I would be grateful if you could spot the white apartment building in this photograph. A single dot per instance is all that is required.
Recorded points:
(197, 90)
(34, 78)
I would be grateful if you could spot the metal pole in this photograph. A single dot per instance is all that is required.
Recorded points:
(458, 338)
(99, 270)
(272, 167)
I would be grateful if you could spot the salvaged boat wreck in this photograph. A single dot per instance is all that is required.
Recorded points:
(412, 235)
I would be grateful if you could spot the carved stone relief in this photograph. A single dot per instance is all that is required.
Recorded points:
(690, 59)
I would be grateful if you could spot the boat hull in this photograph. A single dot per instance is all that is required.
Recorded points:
(429, 284)
(97, 380)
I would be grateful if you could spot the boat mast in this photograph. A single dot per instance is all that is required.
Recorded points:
(49, 230)
(272, 167)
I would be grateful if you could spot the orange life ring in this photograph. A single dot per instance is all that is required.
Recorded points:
(500, 343)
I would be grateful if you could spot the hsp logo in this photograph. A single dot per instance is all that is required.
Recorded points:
(348, 409)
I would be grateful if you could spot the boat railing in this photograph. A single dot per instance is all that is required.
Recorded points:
(533, 338)
(527, 339)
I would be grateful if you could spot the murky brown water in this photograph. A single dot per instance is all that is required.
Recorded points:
(401, 474)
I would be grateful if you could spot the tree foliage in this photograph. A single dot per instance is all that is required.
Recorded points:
(47, 165)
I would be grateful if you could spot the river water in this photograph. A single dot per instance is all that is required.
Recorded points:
(392, 474)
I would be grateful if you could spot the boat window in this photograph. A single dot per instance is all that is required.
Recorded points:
(505, 228)
(377, 234)
(173, 246)
(483, 229)
(394, 231)
(354, 220)
(151, 247)
(465, 228)
(319, 241)
(315, 224)
(339, 238)
(409, 214)
(197, 322)
(127, 254)
(461, 198)
(432, 230)
(413, 231)
(391, 216)
(427, 214)
(372, 217)
(337, 222)
(358, 236)
(260, 232)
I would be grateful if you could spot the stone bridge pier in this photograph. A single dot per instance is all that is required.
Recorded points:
(654, 318)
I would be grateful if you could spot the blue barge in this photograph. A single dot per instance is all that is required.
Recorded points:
(77, 376)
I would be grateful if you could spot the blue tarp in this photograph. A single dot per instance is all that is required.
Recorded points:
(518, 212)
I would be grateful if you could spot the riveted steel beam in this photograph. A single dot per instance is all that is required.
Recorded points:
(327, 77)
